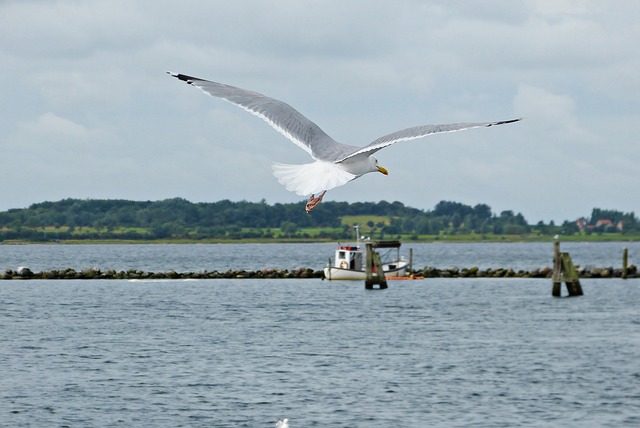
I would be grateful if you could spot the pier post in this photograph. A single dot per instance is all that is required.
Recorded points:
(373, 269)
(411, 262)
(557, 275)
(564, 271)
(625, 261)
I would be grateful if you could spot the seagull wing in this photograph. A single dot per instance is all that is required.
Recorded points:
(280, 115)
(418, 132)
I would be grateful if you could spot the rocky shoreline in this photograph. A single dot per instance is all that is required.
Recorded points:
(427, 272)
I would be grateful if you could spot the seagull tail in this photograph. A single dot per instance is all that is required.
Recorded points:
(311, 178)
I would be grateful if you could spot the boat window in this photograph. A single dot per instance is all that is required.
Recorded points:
(341, 255)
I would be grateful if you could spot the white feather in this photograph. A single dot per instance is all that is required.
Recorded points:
(311, 178)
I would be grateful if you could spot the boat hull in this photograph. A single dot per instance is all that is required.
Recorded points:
(340, 274)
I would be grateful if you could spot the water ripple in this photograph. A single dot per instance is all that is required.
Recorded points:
(241, 353)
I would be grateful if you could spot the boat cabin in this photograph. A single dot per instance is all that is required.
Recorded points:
(352, 256)
(349, 257)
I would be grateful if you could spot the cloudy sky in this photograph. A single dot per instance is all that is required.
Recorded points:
(88, 111)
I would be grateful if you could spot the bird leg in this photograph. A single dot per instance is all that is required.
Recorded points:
(313, 201)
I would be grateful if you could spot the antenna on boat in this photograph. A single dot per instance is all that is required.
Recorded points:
(357, 228)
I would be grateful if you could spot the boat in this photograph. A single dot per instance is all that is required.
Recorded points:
(349, 261)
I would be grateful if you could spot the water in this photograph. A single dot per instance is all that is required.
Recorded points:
(243, 353)
(222, 257)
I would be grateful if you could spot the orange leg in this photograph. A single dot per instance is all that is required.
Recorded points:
(313, 201)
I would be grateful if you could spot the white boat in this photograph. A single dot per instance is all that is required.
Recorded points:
(349, 262)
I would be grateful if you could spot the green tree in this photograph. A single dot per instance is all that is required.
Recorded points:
(288, 228)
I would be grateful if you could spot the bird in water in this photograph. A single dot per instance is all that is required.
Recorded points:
(335, 164)
(282, 423)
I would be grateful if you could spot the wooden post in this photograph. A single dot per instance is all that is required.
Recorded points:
(373, 269)
(411, 262)
(570, 275)
(625, 261)
(377, 262)
(564, 271)
(368, 266)
(557, 274)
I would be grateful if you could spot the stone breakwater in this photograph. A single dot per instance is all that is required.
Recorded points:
(26, 273)
(427, 272)
(545, 272)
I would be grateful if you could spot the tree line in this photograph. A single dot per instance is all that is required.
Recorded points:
(179, 218)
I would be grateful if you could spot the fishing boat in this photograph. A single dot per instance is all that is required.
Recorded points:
(349, 261)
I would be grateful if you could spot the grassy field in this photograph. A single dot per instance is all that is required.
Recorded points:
(364, 220)
(320, 234)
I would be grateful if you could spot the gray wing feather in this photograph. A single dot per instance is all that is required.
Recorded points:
(280, 115)
(306, 134)
(418, 132)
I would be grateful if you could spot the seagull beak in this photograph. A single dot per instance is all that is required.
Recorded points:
(382, 170)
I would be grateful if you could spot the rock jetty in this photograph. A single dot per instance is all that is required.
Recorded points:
(427, 272)
(544, 272)
(93, 273)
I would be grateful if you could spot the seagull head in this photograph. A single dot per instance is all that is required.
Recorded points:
(378, 167)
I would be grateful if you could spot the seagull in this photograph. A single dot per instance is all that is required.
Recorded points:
(335, 164)
(282, 423)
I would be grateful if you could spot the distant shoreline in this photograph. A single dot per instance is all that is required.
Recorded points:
(463, 239)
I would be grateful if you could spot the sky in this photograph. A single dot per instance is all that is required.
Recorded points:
(89, 112)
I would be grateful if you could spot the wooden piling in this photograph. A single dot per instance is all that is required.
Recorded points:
(625, 261)
(564, 271)
(373, 269)
(557, 273)
(411, 262)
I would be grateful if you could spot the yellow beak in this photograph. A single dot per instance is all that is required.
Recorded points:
(382, 170)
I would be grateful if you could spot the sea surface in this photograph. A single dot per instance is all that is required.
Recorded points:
(245, 352)
(222, 257)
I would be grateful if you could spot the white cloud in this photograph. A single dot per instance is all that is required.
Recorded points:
(66, 30)
(554, 115)
(76, 88)
(49, 125)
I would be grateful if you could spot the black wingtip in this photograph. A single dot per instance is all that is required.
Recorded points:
(184, 77)
(503, 122)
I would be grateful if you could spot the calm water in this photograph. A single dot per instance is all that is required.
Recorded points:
(242, 353)
(221, 257)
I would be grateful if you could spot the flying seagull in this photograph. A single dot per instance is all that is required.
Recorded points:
(334, 163)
